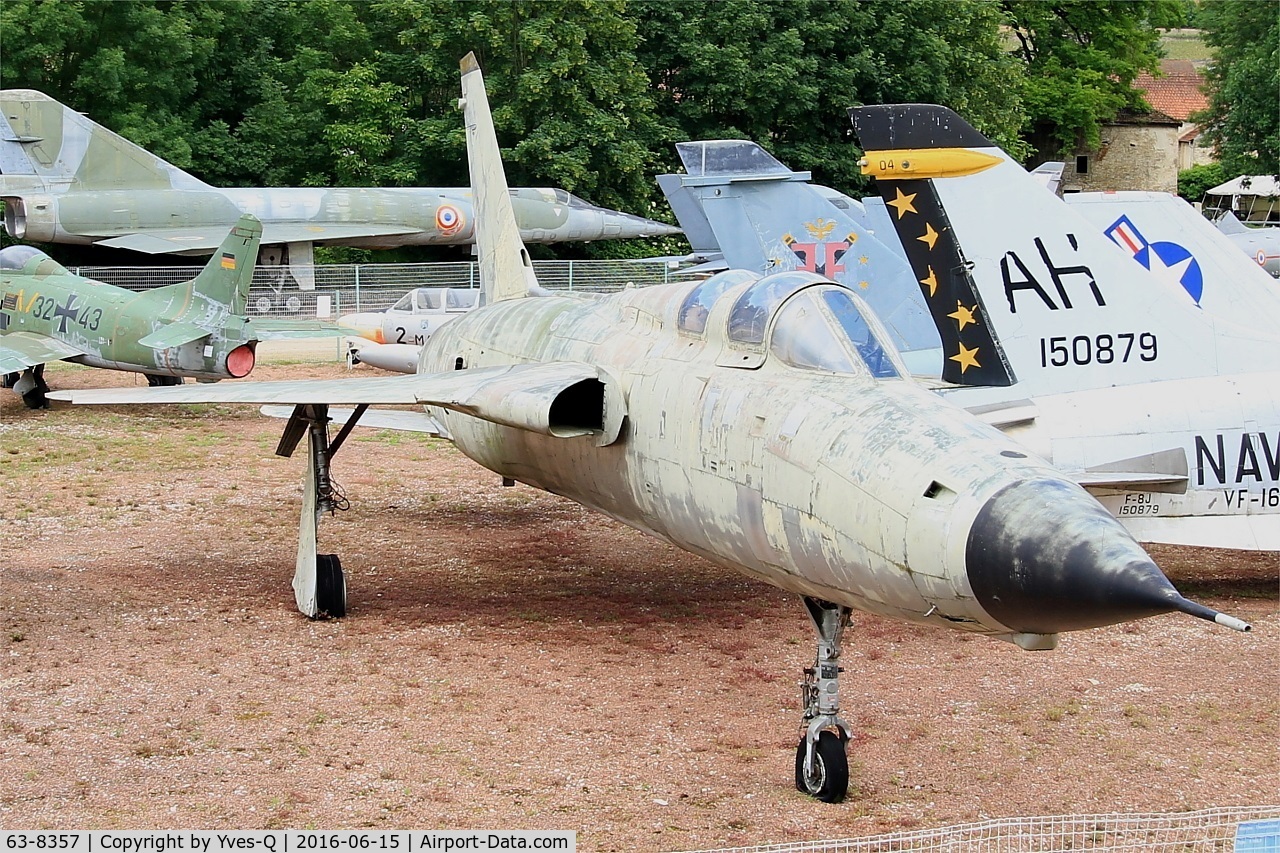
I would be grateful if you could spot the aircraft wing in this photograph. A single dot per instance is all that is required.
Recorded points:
(19, 350)
(280, 328)
(159, 241)
(517, 395)
(396, 419)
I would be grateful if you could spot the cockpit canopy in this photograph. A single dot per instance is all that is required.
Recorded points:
(433, 300)
(799, 317)
(23, 259)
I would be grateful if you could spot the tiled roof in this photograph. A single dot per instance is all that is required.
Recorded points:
(1177, 93)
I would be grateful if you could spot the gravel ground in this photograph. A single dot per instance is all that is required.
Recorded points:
(511, 660)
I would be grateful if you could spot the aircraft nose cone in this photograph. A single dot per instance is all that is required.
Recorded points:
(1043, 557)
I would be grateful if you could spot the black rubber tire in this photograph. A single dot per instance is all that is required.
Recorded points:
(35, 398)
(331, 586)
(831, 769)
(159, 381)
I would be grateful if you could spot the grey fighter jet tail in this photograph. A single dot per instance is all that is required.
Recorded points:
(1020, 286)
(506, 271)
(767, 218)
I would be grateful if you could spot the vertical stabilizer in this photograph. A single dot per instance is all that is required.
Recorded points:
(506, 272)
(225, 280)
(67, 151)
(1021, 287)
(767, 218)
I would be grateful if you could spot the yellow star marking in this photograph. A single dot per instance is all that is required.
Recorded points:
(967, 358)
(864, 260)
(930, 236)
(903, 203)
(864, 284)
(932, 281)
(852, 237)
(963, 316)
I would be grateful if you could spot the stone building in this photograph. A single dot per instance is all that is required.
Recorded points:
(1138, 151)
(1145, 151)
(1179, 93)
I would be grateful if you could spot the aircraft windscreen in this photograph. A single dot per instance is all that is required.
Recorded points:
(805, 336)
(751, 313)
(428, 299)
(823, 329)
(859, 334)
(461, 300)
(405, 303)
(16, 257)
(727, 157)
(697, 305)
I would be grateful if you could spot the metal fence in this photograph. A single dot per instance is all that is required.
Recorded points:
(372, 287)
(1184, 832)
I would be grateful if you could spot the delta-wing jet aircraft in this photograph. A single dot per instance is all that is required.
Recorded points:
(67, 179)
(194, 329)
(765, 423)
(1169, 414)
(1262, 243)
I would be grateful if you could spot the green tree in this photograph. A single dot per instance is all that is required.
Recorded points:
(1194, 181)
(784, 74)
(1243, 117)
(571, 105)
(1081, 58)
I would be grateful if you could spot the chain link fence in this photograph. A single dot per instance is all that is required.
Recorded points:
(373, 287)
(1246, 829)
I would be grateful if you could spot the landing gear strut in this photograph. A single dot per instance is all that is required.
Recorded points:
(822, 764)
(32, 387)
(319, 586)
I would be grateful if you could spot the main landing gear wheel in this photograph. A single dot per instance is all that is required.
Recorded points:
(828, 776)
(8, 380)
(331, 586)
(158, 381)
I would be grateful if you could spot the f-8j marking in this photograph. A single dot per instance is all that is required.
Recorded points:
(765, 423)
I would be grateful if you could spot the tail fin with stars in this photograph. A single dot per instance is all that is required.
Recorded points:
(1021, 288)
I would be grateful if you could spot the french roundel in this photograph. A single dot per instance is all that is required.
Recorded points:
(448, 219)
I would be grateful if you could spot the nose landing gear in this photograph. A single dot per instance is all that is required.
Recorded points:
(822, 761)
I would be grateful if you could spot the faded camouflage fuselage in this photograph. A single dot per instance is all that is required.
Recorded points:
(102, 325)
(851, 489)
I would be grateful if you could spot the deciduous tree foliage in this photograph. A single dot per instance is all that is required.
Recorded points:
(1081, 59)
(588, 95)
(1243, 118)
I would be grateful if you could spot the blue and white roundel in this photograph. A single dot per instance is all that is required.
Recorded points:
(1170, 261)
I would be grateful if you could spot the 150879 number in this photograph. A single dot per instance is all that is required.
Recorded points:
(1121, 348)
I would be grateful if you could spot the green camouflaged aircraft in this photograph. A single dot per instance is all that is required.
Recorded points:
(66, 179)
(193, 329)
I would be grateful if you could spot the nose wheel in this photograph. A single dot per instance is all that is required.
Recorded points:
(822, 761)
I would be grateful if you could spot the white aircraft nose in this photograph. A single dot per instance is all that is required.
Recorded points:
(367, 325)
(1043, 557)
